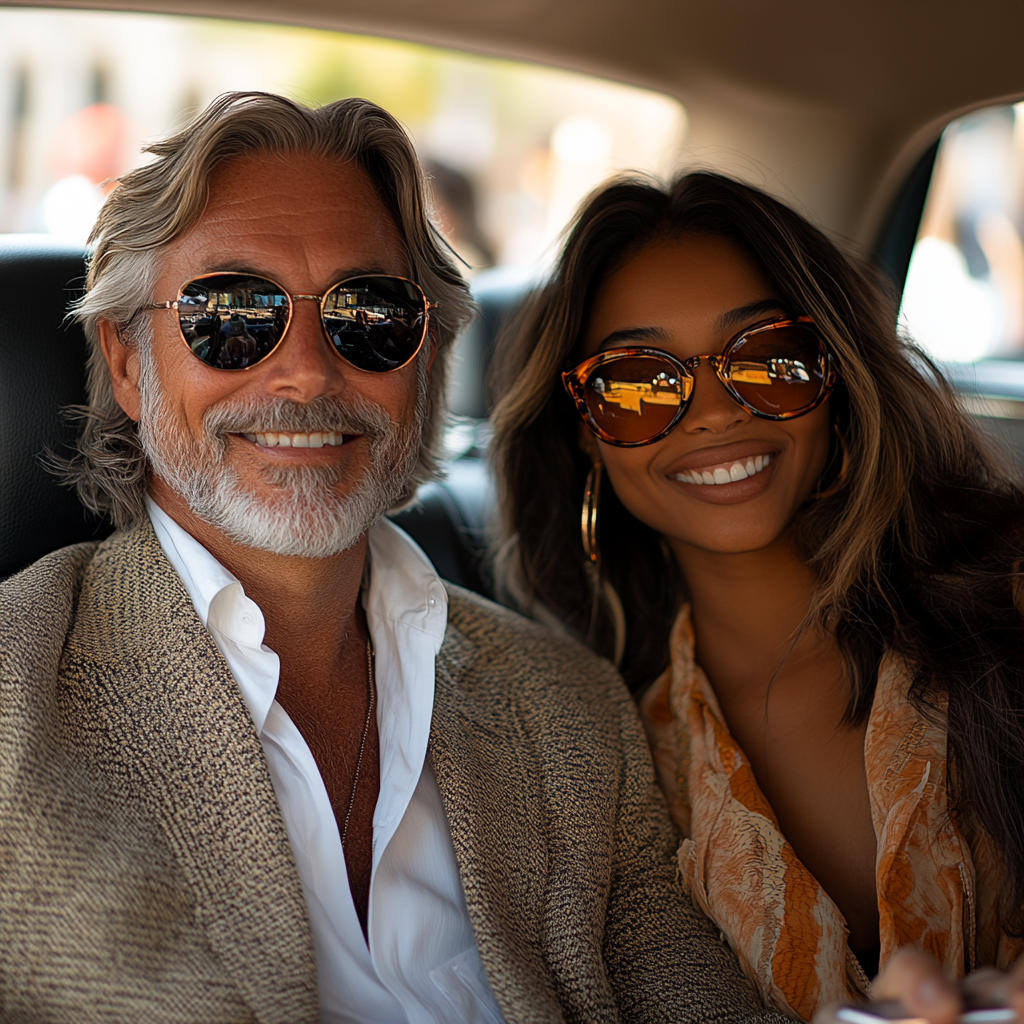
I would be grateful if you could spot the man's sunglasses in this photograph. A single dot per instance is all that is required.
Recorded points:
(233, 321)
(776, 369)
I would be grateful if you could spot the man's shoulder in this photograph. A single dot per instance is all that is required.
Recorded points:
(48, 584)
(526, 655)
(37, 605)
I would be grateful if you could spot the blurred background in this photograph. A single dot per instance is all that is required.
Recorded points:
(511, 148)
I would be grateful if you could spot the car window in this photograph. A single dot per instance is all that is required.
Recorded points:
(512, 147)
(964, 295)
(963, 301)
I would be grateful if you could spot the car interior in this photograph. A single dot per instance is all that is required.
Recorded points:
(860, 115)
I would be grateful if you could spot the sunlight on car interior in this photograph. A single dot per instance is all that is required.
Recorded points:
(511, 510)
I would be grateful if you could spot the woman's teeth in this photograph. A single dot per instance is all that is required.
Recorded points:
(729, 474)
(315, 440)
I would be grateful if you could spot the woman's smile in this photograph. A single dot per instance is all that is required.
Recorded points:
(726, 474)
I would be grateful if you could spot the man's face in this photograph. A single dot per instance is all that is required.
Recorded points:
(307, 223)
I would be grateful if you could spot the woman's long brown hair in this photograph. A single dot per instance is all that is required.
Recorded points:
(916, 549)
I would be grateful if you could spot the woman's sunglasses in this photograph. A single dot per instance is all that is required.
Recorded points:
(776, 369)
(233, 321)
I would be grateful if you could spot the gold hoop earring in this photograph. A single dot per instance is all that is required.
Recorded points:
(840, 480)
(588, 517)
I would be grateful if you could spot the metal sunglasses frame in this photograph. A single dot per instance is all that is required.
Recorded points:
(292, 299)
(575, 380)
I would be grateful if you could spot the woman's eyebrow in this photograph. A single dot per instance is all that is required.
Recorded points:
(633, 334)
(736, 316)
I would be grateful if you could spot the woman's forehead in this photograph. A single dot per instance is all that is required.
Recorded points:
(691, 283)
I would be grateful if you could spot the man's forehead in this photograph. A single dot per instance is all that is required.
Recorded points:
(293, 209)
(290, 172)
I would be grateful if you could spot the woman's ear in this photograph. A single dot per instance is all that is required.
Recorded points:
(588, 444)
(123, 361)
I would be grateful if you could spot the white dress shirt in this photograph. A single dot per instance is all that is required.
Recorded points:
(419, 962)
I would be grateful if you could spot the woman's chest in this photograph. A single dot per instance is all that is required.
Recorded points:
(810, 767)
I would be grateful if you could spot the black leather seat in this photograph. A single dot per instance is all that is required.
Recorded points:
(42, 370)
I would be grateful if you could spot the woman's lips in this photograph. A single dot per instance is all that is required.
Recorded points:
(727, 473)
(732, 473)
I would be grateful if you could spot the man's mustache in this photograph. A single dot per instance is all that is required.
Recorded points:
(353, 415)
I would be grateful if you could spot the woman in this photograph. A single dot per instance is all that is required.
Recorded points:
(803, 557)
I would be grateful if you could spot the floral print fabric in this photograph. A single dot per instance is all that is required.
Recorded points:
(936, 890)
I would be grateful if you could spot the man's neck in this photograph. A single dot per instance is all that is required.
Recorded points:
(310, 605)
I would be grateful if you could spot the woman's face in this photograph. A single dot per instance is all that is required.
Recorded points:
(690, 296)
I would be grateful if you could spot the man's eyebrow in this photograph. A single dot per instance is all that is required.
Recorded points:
(233, 266)
(371, 271)
(633, 334)
(736, 316)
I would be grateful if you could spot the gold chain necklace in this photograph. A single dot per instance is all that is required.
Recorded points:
(362, 743)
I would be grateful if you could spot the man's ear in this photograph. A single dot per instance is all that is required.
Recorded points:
(433, 341)
(123, 361)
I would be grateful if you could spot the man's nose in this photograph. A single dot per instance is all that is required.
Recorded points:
(712, 408)
(304, 367)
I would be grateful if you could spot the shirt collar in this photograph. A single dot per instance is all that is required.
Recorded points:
(204, 577)
(401, 584)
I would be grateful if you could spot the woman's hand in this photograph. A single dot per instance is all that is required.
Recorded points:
(915, 980)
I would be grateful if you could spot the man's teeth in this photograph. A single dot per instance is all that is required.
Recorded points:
(724, 474)
(315, 440)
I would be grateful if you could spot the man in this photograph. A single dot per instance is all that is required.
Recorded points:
(257, 763)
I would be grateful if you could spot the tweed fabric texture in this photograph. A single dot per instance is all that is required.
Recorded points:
(145, 871)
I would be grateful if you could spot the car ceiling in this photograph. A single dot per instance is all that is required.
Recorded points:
(827, 103)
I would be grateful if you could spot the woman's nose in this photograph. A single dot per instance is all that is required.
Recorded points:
(712, 408)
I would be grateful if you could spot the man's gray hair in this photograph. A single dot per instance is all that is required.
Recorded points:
(156, 204)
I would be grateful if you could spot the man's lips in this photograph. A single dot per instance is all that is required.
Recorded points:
(281, 439)
(322, 444)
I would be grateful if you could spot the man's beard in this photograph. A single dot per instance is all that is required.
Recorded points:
(303, 516)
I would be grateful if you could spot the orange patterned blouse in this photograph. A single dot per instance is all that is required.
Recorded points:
(936, 889)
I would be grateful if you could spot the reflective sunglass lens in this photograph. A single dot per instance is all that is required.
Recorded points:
(634, 398)
(376, 323)
(231, 321)
(779, 371)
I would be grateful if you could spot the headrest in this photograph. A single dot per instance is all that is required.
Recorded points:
(42, 369)
(499, 293)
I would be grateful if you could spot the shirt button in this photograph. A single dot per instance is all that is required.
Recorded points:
(247, 619)
(432, 601)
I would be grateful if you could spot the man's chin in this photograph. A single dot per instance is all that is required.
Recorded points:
(290, 510)
(291, 525)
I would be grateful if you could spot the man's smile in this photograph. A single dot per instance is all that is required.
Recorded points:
(315, 439)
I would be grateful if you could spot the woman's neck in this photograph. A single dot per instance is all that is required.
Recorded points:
(746, 610)
(784, 704)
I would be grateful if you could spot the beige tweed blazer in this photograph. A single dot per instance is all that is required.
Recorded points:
(145, 871)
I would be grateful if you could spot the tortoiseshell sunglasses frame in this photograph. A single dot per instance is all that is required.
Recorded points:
(574, 380)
